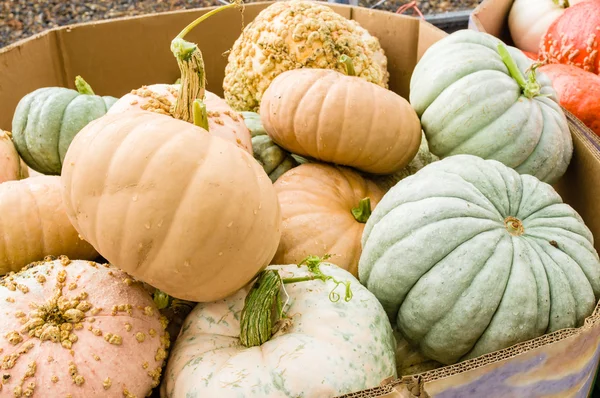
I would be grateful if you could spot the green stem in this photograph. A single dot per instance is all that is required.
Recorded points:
(82, 86)
(200, 115)
(562, 3)
(347, 61)
(530, 87)
(191, 64)
(161, 299)
(363, 211)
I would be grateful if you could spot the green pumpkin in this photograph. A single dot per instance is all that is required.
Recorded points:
(476, 96)
(47, 119)
(468, 257)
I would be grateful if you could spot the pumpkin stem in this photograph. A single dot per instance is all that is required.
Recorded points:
(514, 226)
(191, 64)
(562, 3)
(363, 211)
(161, 299)
(82, 86)
(530, 87)
(347, 61)
(200, 115)
(263, 309)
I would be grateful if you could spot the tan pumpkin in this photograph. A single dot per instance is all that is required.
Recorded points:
(329, 116)
(34, 224)
(10, 162)
(324, 209)
(186, 212)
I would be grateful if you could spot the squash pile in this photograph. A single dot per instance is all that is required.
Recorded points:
(564, 40)
(312, 233)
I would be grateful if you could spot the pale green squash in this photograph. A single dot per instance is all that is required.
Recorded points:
(327, 348)
(469, 257)
(471, 102)
(47, 119)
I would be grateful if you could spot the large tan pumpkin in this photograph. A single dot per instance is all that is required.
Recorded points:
(186, 212)
(10, 162)
(34, 224)
(329, 116)
(317, 203)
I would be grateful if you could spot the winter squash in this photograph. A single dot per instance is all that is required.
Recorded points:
(469, 257)
(324, 209)
(10, 162)
(574, 37)
(480, 103)
(352, 342)
(78, 329)
(46, 120)
(343, 119)
(528, 20)
(578, 91)
(191, 214)
(34, 224)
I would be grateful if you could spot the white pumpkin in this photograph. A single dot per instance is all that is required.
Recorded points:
(329, 348)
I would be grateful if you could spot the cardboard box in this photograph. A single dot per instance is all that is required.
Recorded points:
(119, 55)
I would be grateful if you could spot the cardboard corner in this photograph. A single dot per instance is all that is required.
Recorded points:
(491, 17)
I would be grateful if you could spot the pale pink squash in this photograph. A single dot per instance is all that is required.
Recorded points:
(78, 329)
(34, 224)
(10, 162)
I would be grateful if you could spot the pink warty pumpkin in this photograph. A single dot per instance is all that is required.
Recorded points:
(78, 329)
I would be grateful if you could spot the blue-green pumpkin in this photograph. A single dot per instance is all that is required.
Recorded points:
(47, 119)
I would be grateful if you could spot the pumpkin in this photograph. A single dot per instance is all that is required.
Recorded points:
(578, 92)
(528, 20)
(324, 209)
(573, 38)
(343, 119)
(325, 348)
(480, 103)
(46, 120)
(191, 214)
(10, 162)
(34, 224)
(469, 257)
(78, 329)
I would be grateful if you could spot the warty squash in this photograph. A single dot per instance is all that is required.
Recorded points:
(324, 209)
(10, 163)
(342, 119)
(472, 96)
(78, 329)
(34, 224)
(324, 346)
(46, 120)
(469, 257)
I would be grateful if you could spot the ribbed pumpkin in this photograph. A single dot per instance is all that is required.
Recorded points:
(34, 224)
(10, 162)
(469, 257)
(191, 214)
(473, 98)
(324, 209)
(574, 37)
(47, 119)
(78, 329)
(342, 119)
(578, 91)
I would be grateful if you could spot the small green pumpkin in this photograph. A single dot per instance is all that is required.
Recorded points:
(47, 119)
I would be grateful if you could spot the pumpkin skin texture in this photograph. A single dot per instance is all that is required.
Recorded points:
(95, 332)
(352, 342)
(474, 105)
(34, 224)
(10, 162)
(186, 212)
(469, 257)
(573, 38)
(578, 91)
(316, 208)
(328, 116)
(222, 120)
(46, 120)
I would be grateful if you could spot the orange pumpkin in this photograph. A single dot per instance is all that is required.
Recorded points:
(186, 212)
(329, 116)
(324, 210)
(11, 166)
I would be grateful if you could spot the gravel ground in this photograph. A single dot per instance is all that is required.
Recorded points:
(22, 18)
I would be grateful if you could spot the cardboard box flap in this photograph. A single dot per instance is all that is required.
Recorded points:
(485, 19)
